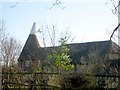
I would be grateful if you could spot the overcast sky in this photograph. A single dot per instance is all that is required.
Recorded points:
(87, 21)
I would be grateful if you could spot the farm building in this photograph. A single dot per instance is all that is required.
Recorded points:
(33, 54)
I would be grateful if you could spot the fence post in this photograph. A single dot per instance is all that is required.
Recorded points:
(31, 84)
(118, 79)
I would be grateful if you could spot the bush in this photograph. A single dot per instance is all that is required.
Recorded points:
(78, 81)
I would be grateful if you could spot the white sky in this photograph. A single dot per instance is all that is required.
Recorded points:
(87, 21)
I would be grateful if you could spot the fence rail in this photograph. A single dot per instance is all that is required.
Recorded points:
(38, 81)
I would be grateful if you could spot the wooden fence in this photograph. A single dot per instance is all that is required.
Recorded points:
(39, 81)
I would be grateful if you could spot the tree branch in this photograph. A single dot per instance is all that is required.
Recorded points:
(114, 31)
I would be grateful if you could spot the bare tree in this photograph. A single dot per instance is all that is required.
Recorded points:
(48, 35)
(9, 47)
(2, 29)
(51, 35)
(10, 50)
(1, 39)
(53, 4)
(115, 4)
(116, 10)
(57, 3)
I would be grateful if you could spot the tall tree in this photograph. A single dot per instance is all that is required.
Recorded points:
(60, 56)
(9, 47)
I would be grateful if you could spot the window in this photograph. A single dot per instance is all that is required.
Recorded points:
(27, 63)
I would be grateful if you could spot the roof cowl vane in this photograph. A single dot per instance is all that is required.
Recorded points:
(33, 30)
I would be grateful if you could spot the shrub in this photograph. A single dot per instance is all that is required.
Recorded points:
(78, 81)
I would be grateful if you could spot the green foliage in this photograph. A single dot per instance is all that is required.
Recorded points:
(38, 69)
(60, 56)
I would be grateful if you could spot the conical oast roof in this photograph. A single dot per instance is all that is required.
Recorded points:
(31, 44)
